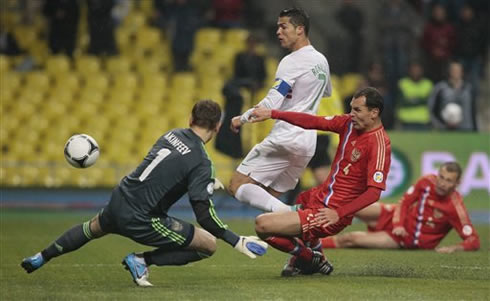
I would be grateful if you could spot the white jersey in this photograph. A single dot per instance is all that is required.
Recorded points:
(302, 79)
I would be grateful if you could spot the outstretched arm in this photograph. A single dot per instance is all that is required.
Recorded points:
(304, 120)
(462, 224)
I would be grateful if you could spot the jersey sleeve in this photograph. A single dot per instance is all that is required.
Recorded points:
(201, 189)
(462, 224)
(308, 121)
(379, 160)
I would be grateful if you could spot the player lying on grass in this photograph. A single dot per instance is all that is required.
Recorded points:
(176, 164)
(357, 177)
(425, 215)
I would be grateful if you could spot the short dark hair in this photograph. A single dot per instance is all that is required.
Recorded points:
(206, 114)
(298, 17)
(373, 98)
(453, 167)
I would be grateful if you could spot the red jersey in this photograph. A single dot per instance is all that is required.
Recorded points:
(362, 159)
(428, 217)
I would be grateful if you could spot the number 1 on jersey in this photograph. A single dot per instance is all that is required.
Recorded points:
(162, 154)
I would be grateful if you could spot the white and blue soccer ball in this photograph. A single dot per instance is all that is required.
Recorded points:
(81, 151)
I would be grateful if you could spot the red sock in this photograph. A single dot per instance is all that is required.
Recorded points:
(316, 245)
(329, 243)
(291, 245)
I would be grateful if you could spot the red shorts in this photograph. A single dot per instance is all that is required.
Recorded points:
(385, 224)
(307, 214)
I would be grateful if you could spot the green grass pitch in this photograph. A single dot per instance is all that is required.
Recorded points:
(95, 273)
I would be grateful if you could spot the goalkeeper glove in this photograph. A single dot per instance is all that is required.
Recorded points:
(218, 184)
(251, 246)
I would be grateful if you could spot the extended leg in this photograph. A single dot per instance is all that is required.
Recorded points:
(246, 190)
(370, 240)
(69, 241)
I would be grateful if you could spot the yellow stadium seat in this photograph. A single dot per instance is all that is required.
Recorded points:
(37, 80)
(68, 80)
(224, 56)
(183, 81)
(154, 81)
(119, 64)
(148, 38)
(87, 110)
(54, 109)
(25, 110)
(4, 64)
(147, 109)
(91, 96)
(150, 95)
(208, 69)
(87, 65)
(12, 176)
(38, 123)
(10, 81)
(207, 37)
(97, 82)
(57, 65)
(25, 36)
(349, 83)
(6, 97)
(236, 38)
(134, 21)
(123, 35)
(125, 81)
(31, 96)
(147, 67)
(120, 98)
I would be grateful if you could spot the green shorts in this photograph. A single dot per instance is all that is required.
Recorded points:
(161, 231)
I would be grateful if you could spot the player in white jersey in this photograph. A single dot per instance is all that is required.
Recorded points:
(302, 79)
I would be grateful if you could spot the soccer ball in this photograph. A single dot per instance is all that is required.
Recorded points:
(452, 114)
(81, 151)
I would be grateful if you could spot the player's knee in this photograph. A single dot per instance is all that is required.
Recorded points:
(262, 226)
(210, 246)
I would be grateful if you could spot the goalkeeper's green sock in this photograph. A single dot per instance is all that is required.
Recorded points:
(70, 241)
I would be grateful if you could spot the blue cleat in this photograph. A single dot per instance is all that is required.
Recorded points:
(138, 269)
(30, 264)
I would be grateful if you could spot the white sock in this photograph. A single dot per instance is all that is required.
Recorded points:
(259, 198)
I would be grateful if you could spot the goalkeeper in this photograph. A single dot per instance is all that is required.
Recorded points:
(176, 164)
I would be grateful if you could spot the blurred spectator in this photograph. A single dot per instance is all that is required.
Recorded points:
(228, 13)
(63, 17)
(470, 49)
(415, 89)
(351, 18)
(438, 41)
(455, 92)
(376, 78)
(396, 28)
(10, 47)
(363, 83)
(253, 15)
(8, 43)
(249, 73)
(101, 27)
(181, 19)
